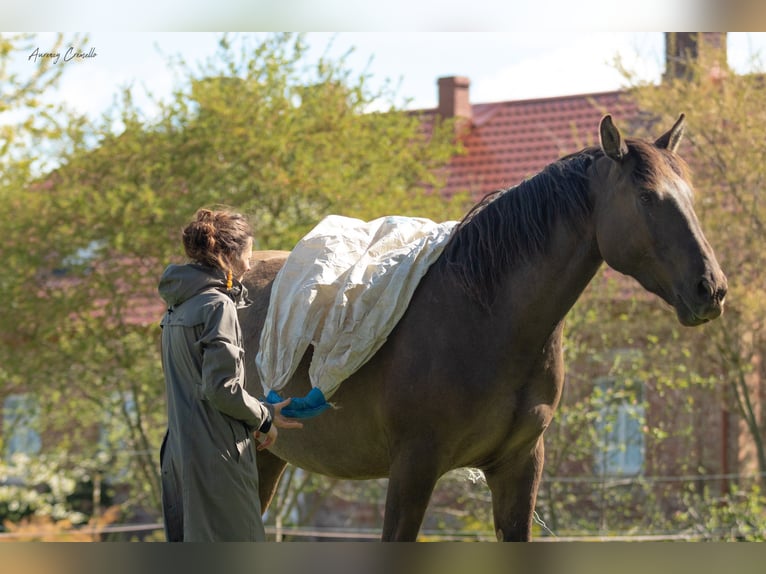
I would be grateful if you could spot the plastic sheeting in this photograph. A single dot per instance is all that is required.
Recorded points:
(343, 289)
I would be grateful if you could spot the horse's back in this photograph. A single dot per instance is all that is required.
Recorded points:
(264, 266)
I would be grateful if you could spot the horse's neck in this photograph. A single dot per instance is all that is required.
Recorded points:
(543, 291)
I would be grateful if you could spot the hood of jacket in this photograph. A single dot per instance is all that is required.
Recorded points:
(180, 283)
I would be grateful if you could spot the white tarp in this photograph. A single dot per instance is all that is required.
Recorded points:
(343, 289)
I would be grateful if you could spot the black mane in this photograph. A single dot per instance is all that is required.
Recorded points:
(511, 226)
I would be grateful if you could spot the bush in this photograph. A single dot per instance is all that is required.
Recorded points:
(47, 487)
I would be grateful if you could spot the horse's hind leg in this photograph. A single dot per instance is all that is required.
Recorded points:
(514, 486)
(411, 482)
(270, 469)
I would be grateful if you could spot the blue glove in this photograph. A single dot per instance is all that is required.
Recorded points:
(302, 407)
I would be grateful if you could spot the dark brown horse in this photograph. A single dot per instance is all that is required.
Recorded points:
(473, 372)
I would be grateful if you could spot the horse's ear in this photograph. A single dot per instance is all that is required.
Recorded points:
(670, 139)
(611, 140)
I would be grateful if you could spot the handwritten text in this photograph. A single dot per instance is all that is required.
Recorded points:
(55, 57)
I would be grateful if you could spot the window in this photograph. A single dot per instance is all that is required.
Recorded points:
(21, 423)
(81, 258)
(619, 428)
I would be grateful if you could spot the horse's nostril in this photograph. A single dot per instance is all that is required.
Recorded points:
(704, 289)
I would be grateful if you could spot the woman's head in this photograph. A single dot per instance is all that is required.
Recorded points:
(220, 239)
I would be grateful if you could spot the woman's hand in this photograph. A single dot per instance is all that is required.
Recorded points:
(284, 422)
(267, 440)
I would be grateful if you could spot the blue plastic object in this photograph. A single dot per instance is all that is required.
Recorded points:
(301, 407)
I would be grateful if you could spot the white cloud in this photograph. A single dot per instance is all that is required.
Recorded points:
(580, 64)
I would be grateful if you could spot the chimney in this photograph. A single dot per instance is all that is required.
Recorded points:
(684, 48)
(453, 98)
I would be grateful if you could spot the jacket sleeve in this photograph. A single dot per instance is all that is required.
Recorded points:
(223, 371)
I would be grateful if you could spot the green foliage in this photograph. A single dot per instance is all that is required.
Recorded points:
(725, 142)
(33, 131)
(689, 376)
(47, 487)
(739, 515)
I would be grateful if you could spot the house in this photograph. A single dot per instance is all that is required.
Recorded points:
(508, 141)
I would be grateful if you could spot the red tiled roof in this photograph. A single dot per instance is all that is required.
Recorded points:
(509, 141)
(138, 294)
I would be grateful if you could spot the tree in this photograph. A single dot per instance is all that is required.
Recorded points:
(33, 131)
(726, 144)
(634, 401)
(257, 128)
(688, 375)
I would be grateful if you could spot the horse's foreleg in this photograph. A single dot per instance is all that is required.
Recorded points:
(514, 486)
(411, 482)
(270, 469)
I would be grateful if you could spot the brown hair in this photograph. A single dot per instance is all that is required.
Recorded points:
(216, 238)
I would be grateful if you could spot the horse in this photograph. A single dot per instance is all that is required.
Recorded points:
(472, 373)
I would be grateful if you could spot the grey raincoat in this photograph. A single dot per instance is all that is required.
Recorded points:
(209, 476)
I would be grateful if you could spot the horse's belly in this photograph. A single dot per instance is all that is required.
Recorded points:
(339, 457)
(345, 442)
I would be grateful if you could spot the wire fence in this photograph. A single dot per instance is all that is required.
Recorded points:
(570, 508)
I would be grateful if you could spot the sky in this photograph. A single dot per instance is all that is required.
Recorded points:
(500, 65)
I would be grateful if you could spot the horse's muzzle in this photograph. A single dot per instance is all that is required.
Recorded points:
(704, 304)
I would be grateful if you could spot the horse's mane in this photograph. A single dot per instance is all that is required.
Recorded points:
(511, 226)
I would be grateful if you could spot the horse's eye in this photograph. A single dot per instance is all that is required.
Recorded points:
(646, 197)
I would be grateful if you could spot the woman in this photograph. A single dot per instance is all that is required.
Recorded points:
(209, 475)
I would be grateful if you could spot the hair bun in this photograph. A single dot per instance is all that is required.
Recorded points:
(216, 238)
(208, 232)
(205, 215)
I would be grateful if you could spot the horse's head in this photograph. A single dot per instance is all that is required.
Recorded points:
(646, 226)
